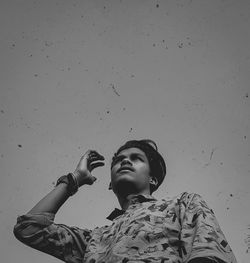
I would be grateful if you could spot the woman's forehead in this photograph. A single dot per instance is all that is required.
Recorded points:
(132, 150)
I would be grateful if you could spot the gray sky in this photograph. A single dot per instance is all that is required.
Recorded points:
(92, 74)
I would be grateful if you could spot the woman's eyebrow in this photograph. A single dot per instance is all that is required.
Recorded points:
(122, 156)
(131, 154)
(138, 154)
(119, 157)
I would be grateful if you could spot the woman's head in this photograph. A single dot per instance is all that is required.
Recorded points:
(156, 162)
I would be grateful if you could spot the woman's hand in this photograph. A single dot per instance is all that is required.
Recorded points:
(88, 162)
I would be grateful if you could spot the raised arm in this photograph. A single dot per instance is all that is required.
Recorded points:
(82, 174)
(37, 228)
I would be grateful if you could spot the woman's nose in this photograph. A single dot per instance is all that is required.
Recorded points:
(126, 162)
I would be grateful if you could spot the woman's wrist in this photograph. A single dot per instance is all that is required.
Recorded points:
(70, 181)
(80, 178)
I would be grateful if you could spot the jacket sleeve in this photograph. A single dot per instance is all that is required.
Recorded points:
(201, 235)
(63, 242)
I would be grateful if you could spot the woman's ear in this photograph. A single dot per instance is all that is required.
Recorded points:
(110, 186)
(153, 181)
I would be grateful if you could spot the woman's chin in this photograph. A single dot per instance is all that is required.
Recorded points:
(125, 185)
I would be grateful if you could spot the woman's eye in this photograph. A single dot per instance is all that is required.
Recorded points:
(117, 160)
(137, 157)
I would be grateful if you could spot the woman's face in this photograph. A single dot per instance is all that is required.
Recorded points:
(130, 168)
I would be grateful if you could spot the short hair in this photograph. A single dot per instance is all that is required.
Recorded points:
(156, 162)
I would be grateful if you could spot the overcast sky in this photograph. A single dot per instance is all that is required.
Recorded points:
(79, 75)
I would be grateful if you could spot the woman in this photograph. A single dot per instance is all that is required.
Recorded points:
(179, 229)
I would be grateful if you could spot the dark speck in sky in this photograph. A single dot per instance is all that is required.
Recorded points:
(180, 45)
(212, 152)
(246, 95)
(157, 5)
(2, 111)
(20, 145)
(114, 89)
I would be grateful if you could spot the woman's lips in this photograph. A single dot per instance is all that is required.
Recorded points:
(125, 169)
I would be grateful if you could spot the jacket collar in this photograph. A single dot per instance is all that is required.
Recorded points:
(134, 200)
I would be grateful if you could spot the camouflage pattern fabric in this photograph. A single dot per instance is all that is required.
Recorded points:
(160, 231)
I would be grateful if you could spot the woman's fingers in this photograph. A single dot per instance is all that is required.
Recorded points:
(94, 159)
(94, 155)
(96, 164)
(90, 160)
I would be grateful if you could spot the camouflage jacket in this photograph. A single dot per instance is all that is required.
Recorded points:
(174, 230)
